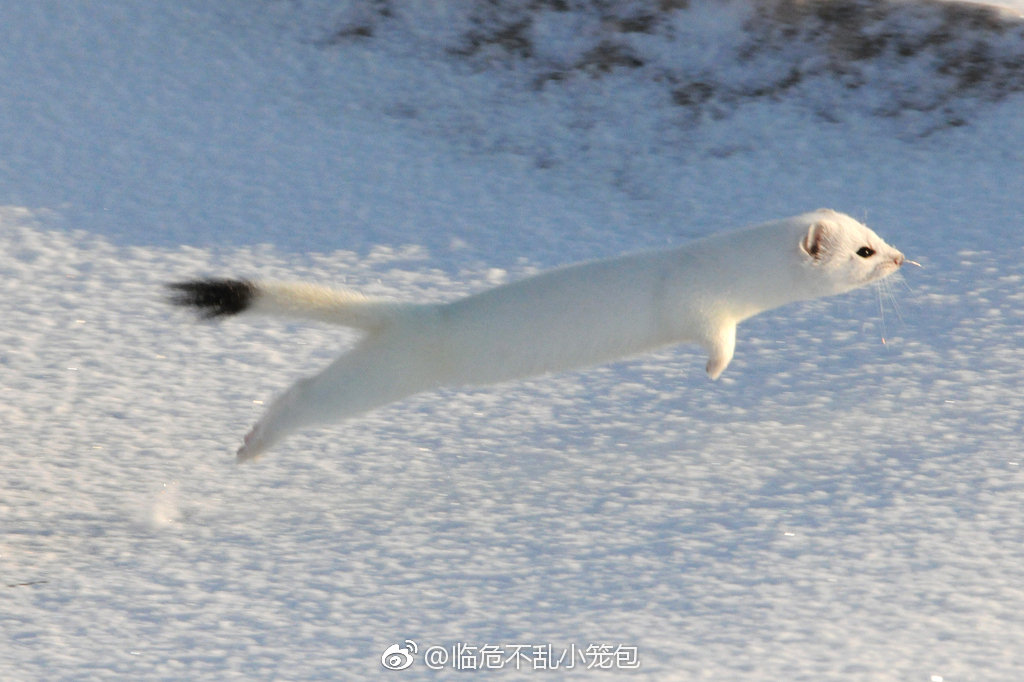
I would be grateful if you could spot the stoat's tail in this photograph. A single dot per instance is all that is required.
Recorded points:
(222, 297)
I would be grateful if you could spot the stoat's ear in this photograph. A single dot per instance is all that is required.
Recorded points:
(813, 243)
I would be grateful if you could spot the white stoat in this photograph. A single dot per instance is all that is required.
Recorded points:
(562, 319)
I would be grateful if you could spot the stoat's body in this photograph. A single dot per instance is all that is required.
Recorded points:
(561, 319)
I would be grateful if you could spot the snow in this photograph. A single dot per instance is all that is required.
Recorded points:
(843, 504)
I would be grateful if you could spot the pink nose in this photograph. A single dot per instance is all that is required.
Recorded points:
(898, 259)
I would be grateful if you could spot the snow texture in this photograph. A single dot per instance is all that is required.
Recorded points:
(844, 504)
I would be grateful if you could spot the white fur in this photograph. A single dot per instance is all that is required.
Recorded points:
(336, 306)
(569, 317)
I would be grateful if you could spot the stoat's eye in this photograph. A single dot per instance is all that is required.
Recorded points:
(865, 252)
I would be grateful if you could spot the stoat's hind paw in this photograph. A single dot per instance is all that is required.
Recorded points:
(214, 297)
(253, 445)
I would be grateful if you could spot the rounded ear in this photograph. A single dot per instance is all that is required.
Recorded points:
(813, 243)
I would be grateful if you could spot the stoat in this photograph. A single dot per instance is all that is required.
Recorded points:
(562, 319)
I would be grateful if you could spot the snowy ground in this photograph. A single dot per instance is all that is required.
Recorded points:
(835, 507)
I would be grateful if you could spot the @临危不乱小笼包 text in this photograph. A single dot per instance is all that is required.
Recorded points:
(462, 656)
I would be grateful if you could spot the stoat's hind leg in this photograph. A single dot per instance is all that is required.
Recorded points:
(374, 373)
(280, 419)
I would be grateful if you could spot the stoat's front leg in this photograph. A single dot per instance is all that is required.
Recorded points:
(720, 343)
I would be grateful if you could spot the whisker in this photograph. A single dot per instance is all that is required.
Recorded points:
(884, 292)
(903, 282)
(879, 290)
(893, 301)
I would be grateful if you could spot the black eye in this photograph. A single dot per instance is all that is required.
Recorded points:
(865, 252)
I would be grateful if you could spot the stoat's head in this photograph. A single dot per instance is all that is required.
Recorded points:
(842, 254)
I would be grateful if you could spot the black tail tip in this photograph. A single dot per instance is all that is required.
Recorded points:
(213, 297)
